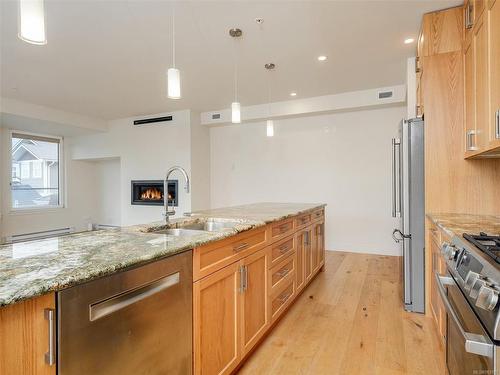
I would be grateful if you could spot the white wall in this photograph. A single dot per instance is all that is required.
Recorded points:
(145, 153)
(108, 198)
(341, 159)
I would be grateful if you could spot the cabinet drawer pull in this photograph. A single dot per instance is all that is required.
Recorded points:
(50, 356)
(497, 124)
(471, 140)
(241, 246)
(284, 297)
(283, 272)
(468, 16)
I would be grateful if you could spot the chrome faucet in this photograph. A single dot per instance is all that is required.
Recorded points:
(168, 212)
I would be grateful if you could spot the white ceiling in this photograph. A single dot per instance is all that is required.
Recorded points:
(108, 59)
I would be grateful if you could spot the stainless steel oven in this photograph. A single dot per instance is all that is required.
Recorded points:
(469, 349)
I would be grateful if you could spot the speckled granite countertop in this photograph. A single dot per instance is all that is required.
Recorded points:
(458, 224)
(32, 268)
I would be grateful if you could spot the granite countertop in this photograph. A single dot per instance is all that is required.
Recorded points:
(32, 268)
(458, 224)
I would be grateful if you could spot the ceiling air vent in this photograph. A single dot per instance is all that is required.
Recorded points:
(215, 116)
(385, 94)
(152, 120)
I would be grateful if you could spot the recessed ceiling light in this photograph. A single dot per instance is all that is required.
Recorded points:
(322, 58)
(293, 94)
(409, 40)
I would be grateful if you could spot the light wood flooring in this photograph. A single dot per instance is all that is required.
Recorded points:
(350, 320)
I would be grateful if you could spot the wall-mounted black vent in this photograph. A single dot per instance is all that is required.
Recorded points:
(385, 94)
(152, 120)
(215, 116)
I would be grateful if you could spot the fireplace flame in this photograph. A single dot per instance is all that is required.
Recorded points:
(152, 194)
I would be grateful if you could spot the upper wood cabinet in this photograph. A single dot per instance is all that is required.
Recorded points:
(482, 79)
(441, 32)
(24, 337)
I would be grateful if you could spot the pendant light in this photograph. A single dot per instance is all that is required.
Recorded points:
(31, 21)
(235, 105)
(269, 122)
(173, 74)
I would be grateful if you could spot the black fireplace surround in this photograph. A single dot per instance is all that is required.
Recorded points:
(150, 192)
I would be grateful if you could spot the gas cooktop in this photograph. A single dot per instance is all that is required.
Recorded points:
(490, 245)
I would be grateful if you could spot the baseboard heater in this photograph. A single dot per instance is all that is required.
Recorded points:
(38, 235)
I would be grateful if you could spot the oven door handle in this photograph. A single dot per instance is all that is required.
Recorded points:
(475, 344)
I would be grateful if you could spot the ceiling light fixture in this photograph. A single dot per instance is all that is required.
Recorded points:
(31, 22)
(269, 123)
(173, 74)
(409, 40)
(322, 58)
(293, 93)
(235, 106)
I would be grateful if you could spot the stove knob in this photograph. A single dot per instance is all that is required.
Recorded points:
(478, 284)
(487, 298)
(470, 279)
(450, 252)
(444, 247)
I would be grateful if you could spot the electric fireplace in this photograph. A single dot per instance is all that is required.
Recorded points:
(150, 192)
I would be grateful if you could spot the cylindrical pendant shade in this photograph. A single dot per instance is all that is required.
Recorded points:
(31, 21)
(270, 128)
(174, 83)
(235, 112)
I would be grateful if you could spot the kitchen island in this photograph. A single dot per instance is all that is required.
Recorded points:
(261, 262)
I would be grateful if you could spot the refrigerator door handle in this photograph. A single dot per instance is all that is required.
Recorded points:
(402, 236)
(396, 202)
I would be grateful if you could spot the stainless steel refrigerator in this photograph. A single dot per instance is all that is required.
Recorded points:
(408, 206)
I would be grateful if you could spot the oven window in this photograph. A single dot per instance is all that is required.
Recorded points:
(458, 360)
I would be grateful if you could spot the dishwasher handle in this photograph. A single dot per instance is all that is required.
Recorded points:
(110, 305)
(475, 344)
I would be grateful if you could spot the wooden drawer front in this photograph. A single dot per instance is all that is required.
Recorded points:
(303, 220)
(281, 229)
(281, 300)
(210, 258)
(280, 274)
(282, 249)
(318, 214)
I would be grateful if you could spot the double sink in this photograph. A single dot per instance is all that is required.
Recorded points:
(196, 228)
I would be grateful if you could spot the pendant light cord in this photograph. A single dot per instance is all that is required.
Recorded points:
(173, 34)
(235, 71)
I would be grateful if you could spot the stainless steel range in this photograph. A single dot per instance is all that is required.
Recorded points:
(470, 292)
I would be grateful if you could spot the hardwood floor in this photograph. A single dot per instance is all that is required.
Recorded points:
(350, 320)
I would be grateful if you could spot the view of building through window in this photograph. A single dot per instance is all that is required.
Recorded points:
(35, 171)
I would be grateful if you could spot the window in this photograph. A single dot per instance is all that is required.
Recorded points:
(36, 171)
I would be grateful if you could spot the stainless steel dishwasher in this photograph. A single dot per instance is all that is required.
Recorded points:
(138, 321)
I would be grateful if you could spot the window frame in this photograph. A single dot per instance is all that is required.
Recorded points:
(61, 174)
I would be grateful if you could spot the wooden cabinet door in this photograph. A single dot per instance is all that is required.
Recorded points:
(253, 298)
(317, 247)
(216, 322)
(470, 108)
(493, 23)
(480, 44)
(437, 307)
(300, 254)
(24, 337)
(308, 266)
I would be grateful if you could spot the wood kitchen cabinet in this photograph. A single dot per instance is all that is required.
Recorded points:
(216, 320)
(235, 304)
(253, 299)
(439, 267)
(482, 79)
(24, 337)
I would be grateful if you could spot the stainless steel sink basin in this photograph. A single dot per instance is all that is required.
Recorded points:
(180, 232)
(211, 225)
